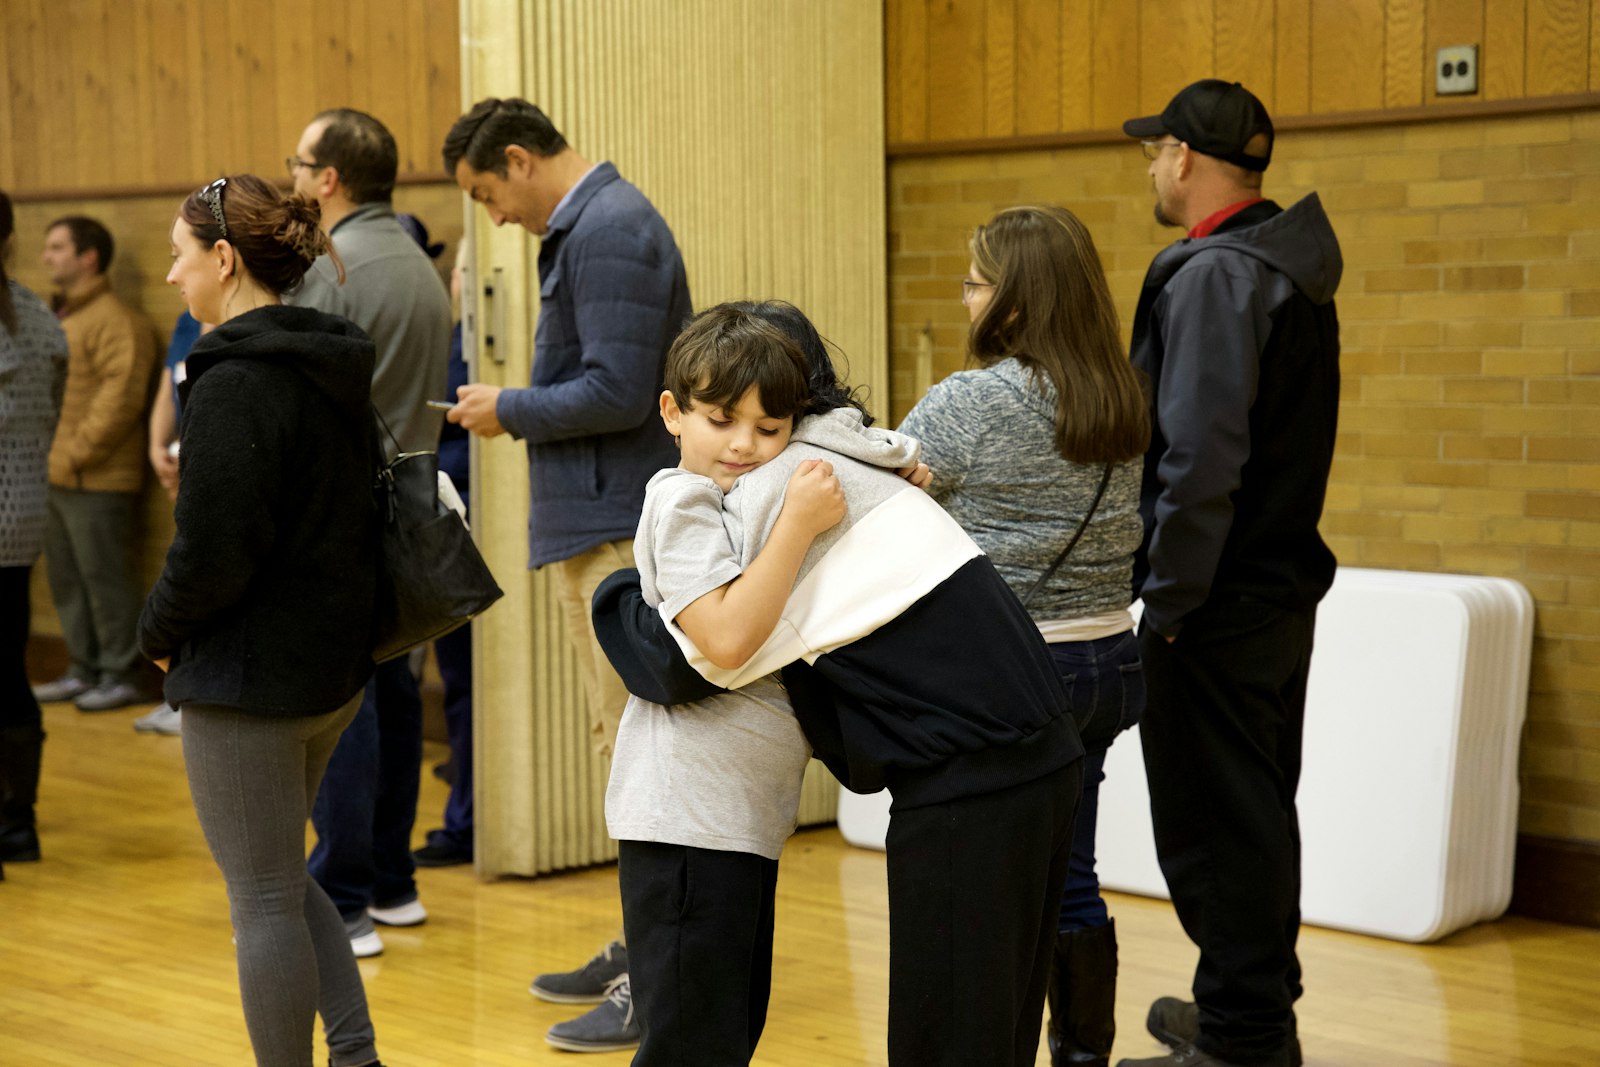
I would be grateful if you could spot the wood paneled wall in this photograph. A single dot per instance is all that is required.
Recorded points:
(119, 95)
(963, 70)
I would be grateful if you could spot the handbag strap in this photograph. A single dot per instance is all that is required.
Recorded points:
(1105, 480)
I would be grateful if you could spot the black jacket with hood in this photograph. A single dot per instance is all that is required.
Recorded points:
(266, 600)
(1240, 338)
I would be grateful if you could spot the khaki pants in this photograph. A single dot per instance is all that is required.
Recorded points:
(576, 580)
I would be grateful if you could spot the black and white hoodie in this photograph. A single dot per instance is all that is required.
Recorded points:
(910, 662)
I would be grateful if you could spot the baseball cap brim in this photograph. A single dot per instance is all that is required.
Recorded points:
(1149, 126)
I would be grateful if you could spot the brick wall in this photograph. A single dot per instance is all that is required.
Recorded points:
(1470, 307)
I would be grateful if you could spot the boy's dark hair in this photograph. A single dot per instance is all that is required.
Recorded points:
(725, 350)
(482, 135)
(88, 233)
(827, 391)
(362, 150)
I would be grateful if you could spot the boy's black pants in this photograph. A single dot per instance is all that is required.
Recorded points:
(699, 930)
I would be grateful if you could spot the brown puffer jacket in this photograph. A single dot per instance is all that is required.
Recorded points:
(100, 441)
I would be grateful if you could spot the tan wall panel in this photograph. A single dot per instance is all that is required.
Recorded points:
(1346, 55)
(768, 166)
(1404, 65)
(1175, 48)
(1000, 45)
(1245, 32)
(158, 94)
(1039, 44)
(1117, 58)
(1558, 46)
(1453, 22)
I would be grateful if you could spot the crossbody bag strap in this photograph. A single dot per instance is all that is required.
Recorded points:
(1105, 480)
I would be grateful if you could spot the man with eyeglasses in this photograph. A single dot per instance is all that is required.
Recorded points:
(1237, 330)
(96, 472)
(347, 161)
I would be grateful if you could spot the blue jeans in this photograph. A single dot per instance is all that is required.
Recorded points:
(1104, 681)
(368, 802)
(453, 654)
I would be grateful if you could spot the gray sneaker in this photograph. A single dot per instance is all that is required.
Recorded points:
(62, 689)
(164, 719)
(588, 984)
(108, 697)
(364, 940)
(607, 1027)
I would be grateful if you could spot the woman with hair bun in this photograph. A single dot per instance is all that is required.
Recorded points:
(263, 612)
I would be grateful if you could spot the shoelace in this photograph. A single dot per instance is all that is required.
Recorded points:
(618, 992)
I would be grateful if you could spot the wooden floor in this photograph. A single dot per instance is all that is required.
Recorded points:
(115, 950)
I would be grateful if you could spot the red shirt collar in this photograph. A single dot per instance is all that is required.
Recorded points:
(1207, 225)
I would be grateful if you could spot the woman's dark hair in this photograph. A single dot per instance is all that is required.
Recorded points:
(1051, 310)
(725, 350)
(275, 235)
(482, 135)
(8, 226)
(827, 391)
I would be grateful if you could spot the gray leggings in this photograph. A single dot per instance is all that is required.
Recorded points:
(253, 779)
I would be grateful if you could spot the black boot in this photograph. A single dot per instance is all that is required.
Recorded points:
(20, 751)
(1083, 997)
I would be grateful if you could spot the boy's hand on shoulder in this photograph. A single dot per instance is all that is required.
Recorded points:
(918, 475)
(814, 497)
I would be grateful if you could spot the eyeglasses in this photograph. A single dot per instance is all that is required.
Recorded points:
(292, 162)
(1152, 149)
(211, 196)
(969, 289)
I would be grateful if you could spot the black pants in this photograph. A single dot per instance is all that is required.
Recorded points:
(699, 930)
(974, 896)
(1222, 734)
(18, 709)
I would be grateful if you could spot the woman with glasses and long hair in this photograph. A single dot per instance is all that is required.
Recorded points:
(1039, 448)
(262, 616)
(33, 376)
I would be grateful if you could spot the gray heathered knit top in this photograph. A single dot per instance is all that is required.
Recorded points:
(33, 375)
(989, 437)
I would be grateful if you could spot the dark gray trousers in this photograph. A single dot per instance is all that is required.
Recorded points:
(253, 779)
(94, 580)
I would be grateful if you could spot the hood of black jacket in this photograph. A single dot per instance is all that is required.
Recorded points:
(331, 352)
(1297, 242)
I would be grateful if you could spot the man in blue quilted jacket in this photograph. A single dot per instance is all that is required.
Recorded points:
(612, 297)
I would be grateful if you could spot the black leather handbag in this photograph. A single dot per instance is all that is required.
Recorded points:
(432, 578)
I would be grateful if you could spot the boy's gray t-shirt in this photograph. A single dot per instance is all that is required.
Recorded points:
(721, 773)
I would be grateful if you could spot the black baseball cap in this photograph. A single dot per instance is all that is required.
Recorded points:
(1214, 117)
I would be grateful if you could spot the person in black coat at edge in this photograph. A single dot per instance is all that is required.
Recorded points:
(263, 613)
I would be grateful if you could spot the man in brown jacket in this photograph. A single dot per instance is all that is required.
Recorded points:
(97, 468)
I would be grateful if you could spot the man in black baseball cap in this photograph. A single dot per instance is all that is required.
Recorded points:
(1218, 118)
(1237, 331)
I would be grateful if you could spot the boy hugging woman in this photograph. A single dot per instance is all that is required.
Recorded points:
(799, 593)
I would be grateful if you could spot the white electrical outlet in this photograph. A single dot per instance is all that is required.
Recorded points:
(1455, 70)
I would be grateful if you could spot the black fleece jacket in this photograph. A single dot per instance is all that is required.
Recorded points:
(1239, 335)
(266, 600)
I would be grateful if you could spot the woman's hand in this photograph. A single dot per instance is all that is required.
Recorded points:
(814, 499)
